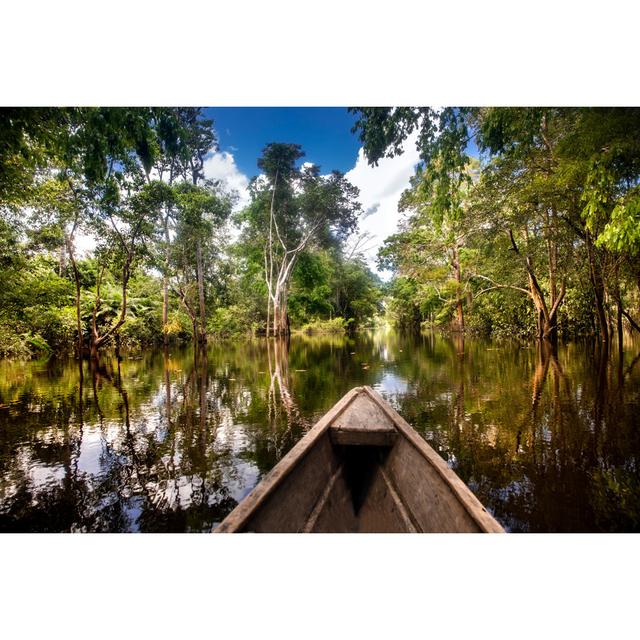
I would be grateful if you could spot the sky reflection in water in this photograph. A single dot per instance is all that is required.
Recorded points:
(171, 441)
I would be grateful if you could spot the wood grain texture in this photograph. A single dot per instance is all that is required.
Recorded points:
(363, 423)
(252, 503)
(434, 505)
(442, 474)
(363, 438)
(288, 507)
(383, 511)
(361, 468)
(335, 512)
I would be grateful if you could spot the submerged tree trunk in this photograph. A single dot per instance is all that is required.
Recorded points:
(191, 312)
(203, 321)
(280, 326)
(98, 340)
(76, 277)
(165, 284)
(458, 277)
(597, 282)
(620, 329)
(547, 316)
(277, 319)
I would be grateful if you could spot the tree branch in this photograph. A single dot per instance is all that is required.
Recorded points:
(497, 285)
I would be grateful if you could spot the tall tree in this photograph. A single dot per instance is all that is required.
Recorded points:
(201, 212)
(127, 225)
(184, 138)
(292, 208)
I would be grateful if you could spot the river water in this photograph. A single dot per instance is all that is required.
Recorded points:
(172, 440)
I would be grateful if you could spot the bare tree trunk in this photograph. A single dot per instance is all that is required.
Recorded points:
(620, 329)
(276, 315)
(98, 340)
(280, 314)
(284, 321)
(191, 312)
(458, 276)
(76, 277)
(598, 288)
(546, 316)
(619, 311)
(539, 322)
(203, 321)
(165, 284)
(268, 312)
(551, 329)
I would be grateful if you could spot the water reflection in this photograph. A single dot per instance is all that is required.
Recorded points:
(171, 440)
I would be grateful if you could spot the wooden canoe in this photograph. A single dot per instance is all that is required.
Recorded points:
(361, 469)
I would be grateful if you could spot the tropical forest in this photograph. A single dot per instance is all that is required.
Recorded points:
(170, 331)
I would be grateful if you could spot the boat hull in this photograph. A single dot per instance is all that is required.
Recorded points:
(361, 469)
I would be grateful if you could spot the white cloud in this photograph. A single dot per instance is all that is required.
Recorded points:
(380, 190)
(222, 166)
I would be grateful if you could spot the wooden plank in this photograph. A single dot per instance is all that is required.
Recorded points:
(288, 507)
(405, 513)
(363, 423)
(363, 415)
(382, 510)
(442, 474)
(360, 437)
(237, 519)
(335, 513)
(433, 504)
(322, 501)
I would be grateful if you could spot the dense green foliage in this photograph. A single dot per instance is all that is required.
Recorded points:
(529, 241)
(111, 234)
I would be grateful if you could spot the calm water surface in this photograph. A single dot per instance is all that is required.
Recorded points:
(171, 441)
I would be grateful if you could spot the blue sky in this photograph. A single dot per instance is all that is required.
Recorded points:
(324, 133)
(325, 136)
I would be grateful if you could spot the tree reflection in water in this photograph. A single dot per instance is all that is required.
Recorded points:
(171, 440)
